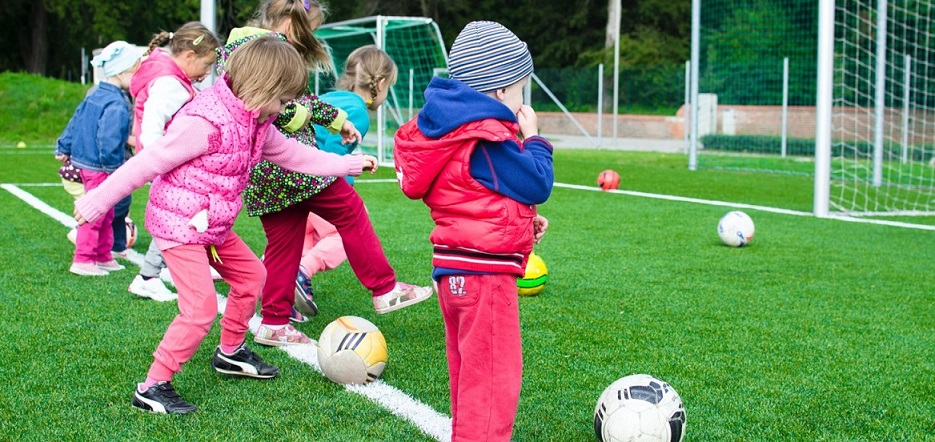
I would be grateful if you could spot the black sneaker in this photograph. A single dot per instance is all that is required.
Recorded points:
(304, 296)
(161, 398)
(243, 362)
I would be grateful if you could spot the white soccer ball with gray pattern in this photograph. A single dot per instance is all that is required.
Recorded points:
(351, 350)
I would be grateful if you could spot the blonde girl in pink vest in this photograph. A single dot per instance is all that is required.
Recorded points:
(199, 169)
(283, 200)
(162, 85)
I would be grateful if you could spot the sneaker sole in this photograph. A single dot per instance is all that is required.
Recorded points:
(243, 369)
(111, 269)
(154, 296)
(141, 293)
(147, 405)
(401, 305)
(86, 273)
(272, 343)
(305, 306)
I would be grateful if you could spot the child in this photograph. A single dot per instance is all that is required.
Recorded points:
(369, 73)
(463, 158)
(71, 181)
(162, 85)
(94, 141)
(284, 199)
(198, 170)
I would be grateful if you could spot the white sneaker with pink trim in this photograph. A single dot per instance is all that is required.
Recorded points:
(287, 335)
(402, 296)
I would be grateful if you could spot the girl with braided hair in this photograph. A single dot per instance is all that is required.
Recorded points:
(369, 73)
(162, 85)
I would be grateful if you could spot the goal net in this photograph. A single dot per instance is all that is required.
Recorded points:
(414, 43)
(756, 86)
(883, 109)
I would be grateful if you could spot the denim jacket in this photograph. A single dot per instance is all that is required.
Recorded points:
(96, 136)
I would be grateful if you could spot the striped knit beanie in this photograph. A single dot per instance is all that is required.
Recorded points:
(487, 56)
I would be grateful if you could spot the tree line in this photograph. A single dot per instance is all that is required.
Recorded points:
(46, 37)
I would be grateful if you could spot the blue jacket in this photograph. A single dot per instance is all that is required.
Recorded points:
(357, 113)
(96, 136)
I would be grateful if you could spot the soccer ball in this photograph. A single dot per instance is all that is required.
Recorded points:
(131, 233)
(608, 180)
(735, 229)
(537, 274)
(351, 350)
(639, 408)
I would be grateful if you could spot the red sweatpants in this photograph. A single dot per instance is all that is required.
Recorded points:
(485, 354)
(340, 205)
(189, 266)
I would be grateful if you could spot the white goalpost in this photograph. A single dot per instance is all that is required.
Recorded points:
(875, 108)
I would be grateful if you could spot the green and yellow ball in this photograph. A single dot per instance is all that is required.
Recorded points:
(537, 274)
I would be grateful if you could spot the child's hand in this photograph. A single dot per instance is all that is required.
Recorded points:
(528, 122)
(349, 133)
(370, 163)
(61, 157)
(539, 225)
(79, 218)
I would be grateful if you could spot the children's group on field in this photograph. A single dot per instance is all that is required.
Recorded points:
(473, 155)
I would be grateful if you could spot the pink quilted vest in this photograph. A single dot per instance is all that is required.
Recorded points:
(157, 64)
(213, 181)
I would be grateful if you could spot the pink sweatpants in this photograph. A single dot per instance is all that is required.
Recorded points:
(485, 354)
(323, 249)
(198, 303)
(94, 239)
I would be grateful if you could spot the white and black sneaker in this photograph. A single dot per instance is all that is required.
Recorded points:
(243, 362)
(161, 398)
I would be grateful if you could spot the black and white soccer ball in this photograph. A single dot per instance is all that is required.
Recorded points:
(639, 408)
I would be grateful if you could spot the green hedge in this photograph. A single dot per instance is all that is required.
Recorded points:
(804, 147)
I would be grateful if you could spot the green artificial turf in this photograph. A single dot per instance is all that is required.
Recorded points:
(820, 330)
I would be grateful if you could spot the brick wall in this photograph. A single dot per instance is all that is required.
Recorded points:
(747, 120)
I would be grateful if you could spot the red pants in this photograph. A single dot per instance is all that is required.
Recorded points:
(198, 302)
(340, 205)
(485, 354)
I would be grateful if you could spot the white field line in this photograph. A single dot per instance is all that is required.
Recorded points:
(401, 404)
(746, 206)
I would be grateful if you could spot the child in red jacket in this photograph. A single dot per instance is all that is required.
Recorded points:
(473, 155)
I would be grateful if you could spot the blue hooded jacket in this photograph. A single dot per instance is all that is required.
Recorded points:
(96, 135)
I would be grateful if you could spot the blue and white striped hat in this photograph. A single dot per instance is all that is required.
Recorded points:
(487, 56)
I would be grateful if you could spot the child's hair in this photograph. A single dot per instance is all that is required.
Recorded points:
(192, 36)
(265, 69)
(365, 67)
(306, 16)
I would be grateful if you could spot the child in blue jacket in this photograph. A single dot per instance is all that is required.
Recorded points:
(95, 141)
